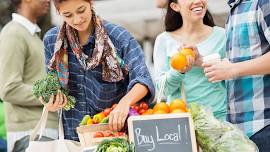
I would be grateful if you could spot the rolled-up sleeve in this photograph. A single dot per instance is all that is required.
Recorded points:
(138, 71)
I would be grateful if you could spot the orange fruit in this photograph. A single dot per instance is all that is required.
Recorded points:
(178, 104)
(161, 106)
(90, 121)
(178, 111)
(179, 61)
(148, 112)
(188, 51)
(159, 112)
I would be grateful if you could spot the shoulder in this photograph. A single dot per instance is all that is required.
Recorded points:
(51, 35)
(162, 36)
(14, 30)
(117, 33)
(219, 30)
(219, 33)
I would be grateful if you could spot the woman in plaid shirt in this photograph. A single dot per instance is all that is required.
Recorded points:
(99, 62)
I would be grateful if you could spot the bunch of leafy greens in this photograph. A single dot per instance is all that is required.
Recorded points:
(115, 145)
(49, 86)
(216, 136)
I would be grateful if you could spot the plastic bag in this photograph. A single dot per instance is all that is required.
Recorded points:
(216, 136)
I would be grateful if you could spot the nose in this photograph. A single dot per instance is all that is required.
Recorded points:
(76, 19)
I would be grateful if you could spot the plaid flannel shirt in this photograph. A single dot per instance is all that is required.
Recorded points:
(92, 93)
(248, 37)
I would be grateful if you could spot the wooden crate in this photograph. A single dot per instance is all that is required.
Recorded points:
(86, 133)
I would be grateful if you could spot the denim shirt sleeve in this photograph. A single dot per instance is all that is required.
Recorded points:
(49, 43)
(138, 72)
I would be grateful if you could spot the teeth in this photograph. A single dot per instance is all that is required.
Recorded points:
(197, 9)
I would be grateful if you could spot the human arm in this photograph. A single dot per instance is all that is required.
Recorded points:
(58, 101)
(140, 83)
(163, 70)
(258, 65)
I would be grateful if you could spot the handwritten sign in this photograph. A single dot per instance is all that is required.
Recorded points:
(162, 133)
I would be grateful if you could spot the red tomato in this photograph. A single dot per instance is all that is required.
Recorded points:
(141, 111)
(118, 134)
(143, 105)
(107, 133)
(98, 134)
(107, 111)
(121, 133)
(136, 108)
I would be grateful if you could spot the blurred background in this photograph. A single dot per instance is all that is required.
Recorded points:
(140, 17)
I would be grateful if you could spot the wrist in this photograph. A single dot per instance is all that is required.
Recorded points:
(126, 101)
(234, 71)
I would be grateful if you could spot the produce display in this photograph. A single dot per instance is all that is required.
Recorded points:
(115, 145)
(176, 106)
(50, 85)
(216, 136)
(108, 133)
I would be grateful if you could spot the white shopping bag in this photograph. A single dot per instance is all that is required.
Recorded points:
(60, 145)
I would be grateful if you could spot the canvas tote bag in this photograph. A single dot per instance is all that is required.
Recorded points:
(162, 87)
(60, 145)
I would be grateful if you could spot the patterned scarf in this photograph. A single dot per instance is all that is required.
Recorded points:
(113, 67)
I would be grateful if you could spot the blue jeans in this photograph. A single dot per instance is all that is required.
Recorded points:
(262, 139)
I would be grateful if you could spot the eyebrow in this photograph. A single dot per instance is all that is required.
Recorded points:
(67, 13)
(80, 7)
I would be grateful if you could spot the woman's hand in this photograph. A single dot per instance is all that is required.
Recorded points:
(190, 61)
(220, 71)
(119, 115)
(197, 61)
(56, 102)
(198, 57)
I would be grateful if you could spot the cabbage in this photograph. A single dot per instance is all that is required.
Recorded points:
(115, 145)
(216, 136)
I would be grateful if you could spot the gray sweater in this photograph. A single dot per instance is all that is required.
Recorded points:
(22, 63)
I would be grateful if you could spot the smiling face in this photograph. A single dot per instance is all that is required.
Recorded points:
(76, 13)
(190, 10)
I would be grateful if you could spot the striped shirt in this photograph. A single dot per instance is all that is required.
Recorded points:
(91, 92)
(248, 37)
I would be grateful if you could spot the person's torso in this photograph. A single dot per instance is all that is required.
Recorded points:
(92, 93)
(196, 86)
(33, 70)
(248, 96)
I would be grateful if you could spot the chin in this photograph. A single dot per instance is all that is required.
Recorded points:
(81, 29)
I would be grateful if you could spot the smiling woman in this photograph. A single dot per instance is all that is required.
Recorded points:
(99, 62)
(189, 24)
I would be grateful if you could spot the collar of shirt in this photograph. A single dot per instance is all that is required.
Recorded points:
(91, 40)
(233, 3)
(31, 27)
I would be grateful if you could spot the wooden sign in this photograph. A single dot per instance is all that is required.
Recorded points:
(162, 133)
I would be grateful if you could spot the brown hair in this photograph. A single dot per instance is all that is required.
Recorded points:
(173, 20)
(57, 2)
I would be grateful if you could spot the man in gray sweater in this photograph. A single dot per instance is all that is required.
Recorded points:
(22, 63)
